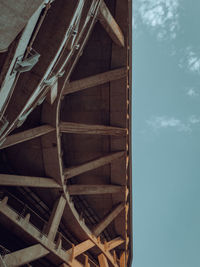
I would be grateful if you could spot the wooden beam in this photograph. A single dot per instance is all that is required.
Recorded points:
(29, 230)
(86, 261)
(110, 25)
(82, 247)
(94, 189)
(108, 219)
(115, 243)
(80, 128)
(55, 218)
(103, 261)
(26, 255)
(94, 80)
(30, 181)
(122, 261)
(26, 135)
(73, 171)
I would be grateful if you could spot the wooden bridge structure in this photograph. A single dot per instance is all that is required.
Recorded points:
(65, 133)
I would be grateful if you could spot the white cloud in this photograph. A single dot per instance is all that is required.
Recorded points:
(191, 60)
(191, 92)
(161, 15)
(194, 119)
(163, 122)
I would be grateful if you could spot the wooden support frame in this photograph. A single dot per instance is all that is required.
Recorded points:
(94, 189)
(103, 261)
(26, 135)
(25, 256)
(115, 243)
(122, 261)
(81, 248)
(110, 25)
(108, 219)
(29, 230)
(30, 181)
(73, 171)
(80, 128)
(86, 262)
(94, 80)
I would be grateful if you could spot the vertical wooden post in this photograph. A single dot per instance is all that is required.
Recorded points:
(103, 261)
(123, 260)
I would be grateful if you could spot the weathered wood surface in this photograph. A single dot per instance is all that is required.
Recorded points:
(73, 171)
(26, 135)
(94, 80)
(80, 128)
(94, 189)
(110, 25)
(55, 218)
(25, 256)
(30, 181)
(108, 219)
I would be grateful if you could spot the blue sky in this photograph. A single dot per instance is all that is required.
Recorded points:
(166, 131)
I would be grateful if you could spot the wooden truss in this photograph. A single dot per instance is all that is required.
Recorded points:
(49, 241)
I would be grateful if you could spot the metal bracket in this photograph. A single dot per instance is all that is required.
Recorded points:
(24, 65)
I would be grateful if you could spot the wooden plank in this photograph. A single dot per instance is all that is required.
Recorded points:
(103, 261)
(95, 80)
(94, 189)
(26, 255)
(108, 219)
(110, 25)
(86, 261)
(55, 218)
(115, 243)
(26, 135)
(80, 128)
(73, 171)
(122, 261)
(82, 247)
(30, 181)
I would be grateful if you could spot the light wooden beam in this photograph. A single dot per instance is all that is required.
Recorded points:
(80, 128)
(26, 135)
(122, 260)
(82, 247)
(30, 181)
(26, 255)
(73, 171)
(94, 189)
(108, 219)
(110, 25)
(103, 261)
(94, 80)
(86, 261)
(55, 218)
(115, 243)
